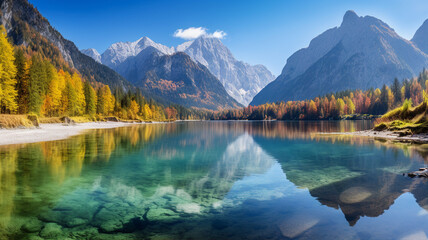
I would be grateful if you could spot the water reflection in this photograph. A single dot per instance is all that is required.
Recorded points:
(232, 180)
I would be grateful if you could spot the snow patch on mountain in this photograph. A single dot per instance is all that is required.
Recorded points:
(119, 52)
(241, 80)
(93, 53)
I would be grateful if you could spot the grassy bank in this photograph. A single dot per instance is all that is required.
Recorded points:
(405, 120)
(10, 121)
(15, 121)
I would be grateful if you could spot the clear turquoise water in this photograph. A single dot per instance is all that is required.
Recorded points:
(214, 180)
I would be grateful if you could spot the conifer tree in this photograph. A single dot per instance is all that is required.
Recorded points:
(23, 79)
(396, 90)
(90, 99)
(8, 96)
(52, 103)
(37, 81)
(106, 101)
(133, 109)
(72, 103)
(80, 94)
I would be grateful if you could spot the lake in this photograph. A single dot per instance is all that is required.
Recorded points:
(214, 180)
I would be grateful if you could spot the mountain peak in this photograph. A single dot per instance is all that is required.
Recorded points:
(420, 37)
(350, 17)
(93, 53)
(144, 40)
(241, 80)
(363, 52)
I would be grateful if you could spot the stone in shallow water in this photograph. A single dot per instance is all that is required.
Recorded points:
(83, 232)
(183, 194)
(189, 208)
(108, 221)
(354, 195)
(296, 225)
(32, 225)
(155, 214)
(111, 226)
(51, 230)
(34, 238)
(74, 222)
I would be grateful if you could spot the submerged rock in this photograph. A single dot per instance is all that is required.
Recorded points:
(32, 225)
(74, 222)
(296, 225)
(111, 226)
(83, 232)
(189, 208)
(108, 221)
(156, 214)
(354, 195)
(51, 230)
(423, 172)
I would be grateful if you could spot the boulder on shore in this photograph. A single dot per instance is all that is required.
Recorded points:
(67, 120)
(111, 119)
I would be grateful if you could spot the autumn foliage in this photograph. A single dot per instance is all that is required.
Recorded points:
(32, 83)
(335, 106)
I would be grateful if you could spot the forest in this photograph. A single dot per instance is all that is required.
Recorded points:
(345, 104)
(40, 83)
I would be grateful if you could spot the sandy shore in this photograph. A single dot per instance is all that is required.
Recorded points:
(388, 135)
(52, 132)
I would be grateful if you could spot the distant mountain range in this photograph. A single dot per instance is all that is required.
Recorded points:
(186, 82)
(241, 80)
(363, 52)
(165, 74)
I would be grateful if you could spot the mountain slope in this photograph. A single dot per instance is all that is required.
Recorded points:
(421, 37)
(93, 53)
(26, 26)
(178, 79)
(117, 53)
(363, 52)
(241, 80)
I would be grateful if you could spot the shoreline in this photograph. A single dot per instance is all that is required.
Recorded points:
(53, 132)
(388, 135)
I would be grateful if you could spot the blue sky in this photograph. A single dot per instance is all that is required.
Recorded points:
(262, 31)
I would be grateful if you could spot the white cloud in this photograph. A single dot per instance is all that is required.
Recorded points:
(192, 33)
(219, 34)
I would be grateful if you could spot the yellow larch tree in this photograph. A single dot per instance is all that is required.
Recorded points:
(7, 79)
(80, 94)
(133, 109)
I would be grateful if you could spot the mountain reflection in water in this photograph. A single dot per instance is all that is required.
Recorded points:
(219, 180)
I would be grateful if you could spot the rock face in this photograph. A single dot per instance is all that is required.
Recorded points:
(420, 39)
(166, 76)
(26, 26)
(241, 80)
(117, 53)
(363, 52)
(178, 79)
(93, 53)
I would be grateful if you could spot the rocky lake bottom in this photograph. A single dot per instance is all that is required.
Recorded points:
(214, 180)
